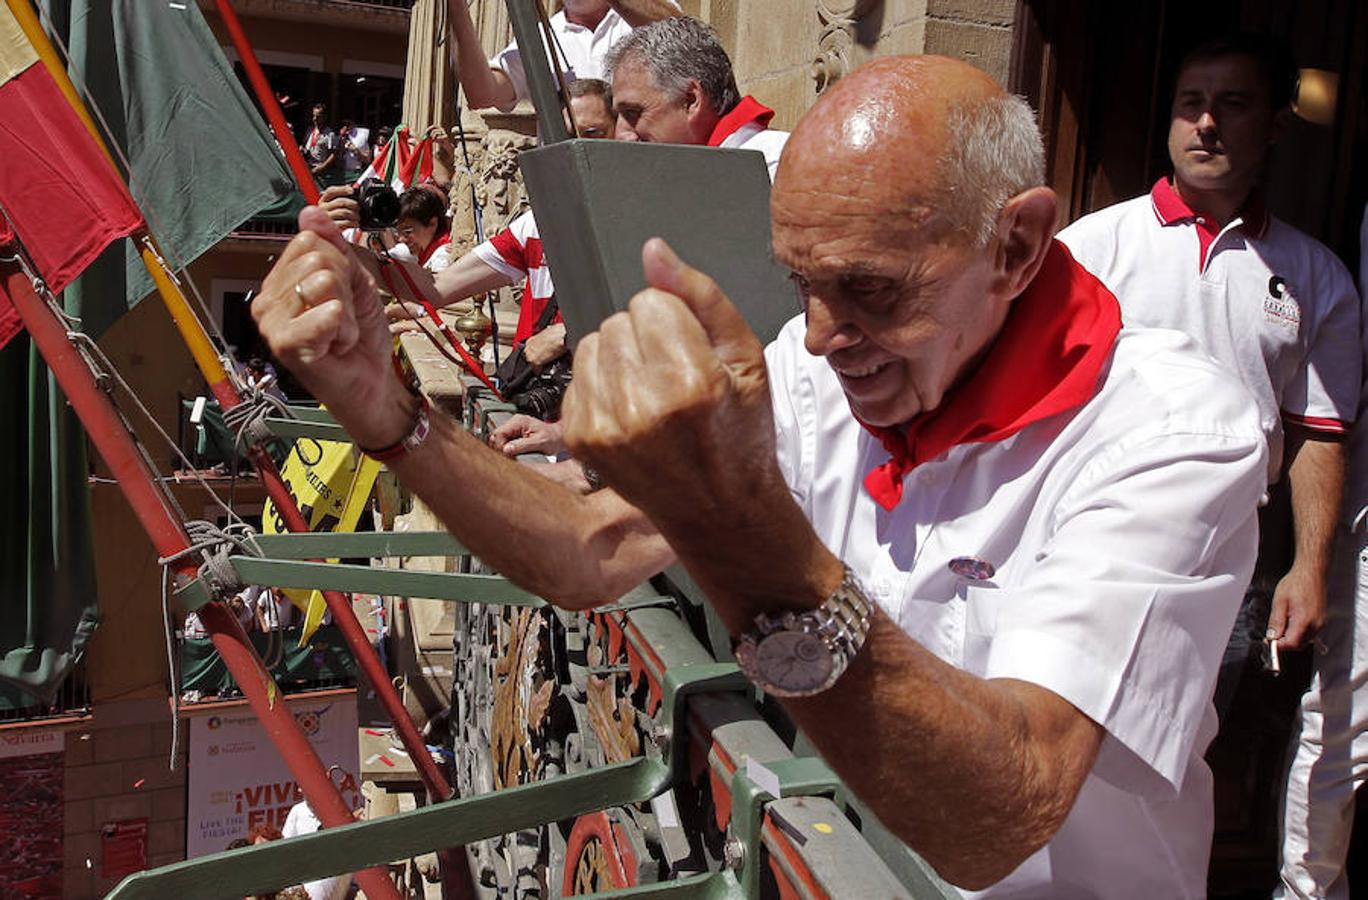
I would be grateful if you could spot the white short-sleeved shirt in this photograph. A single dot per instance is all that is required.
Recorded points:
(1122, 534)
(1270, 303)
(583, 50)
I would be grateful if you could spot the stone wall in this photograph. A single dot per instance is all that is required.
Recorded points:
(785, 52)
(116, 769)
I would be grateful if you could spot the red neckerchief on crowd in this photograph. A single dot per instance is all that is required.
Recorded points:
(742, 114)
(1046, 360)
(441, 239)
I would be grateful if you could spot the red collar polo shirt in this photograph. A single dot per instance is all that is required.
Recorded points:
(1271, 304)
(1101, 483)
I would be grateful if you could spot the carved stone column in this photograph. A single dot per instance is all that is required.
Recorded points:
(839, 19)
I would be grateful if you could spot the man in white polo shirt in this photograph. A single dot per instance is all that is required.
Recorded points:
(1200, 254)
(585, 30)
(1051, 534)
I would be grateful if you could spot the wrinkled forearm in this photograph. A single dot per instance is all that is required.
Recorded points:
(973, 774)
(575, 551)
(483, 86)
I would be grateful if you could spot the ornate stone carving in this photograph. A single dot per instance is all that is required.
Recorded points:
(500, 188)
(838, 18)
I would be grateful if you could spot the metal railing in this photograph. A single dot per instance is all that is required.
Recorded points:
(72, 702)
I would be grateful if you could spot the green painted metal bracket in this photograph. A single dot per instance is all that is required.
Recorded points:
(267, 867)
(490, 408)
(456, 587)
(637, 603)
(713, 886)
(347, 545)
(293, 429)
(312, 414)
(800, 776)
(681, 681)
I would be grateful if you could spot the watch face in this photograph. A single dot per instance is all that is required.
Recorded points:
(794, 662)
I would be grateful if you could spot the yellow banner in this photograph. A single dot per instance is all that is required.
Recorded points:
(331, 483)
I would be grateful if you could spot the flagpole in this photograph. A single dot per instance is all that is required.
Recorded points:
(206, 358)
(151, 505)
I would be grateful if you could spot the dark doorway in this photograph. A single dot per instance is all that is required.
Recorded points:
(1101, 74)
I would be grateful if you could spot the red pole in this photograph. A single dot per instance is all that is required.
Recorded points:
(168, 536)
(269, 104)
(227, 396)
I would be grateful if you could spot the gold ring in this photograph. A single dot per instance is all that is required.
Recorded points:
(299, 292)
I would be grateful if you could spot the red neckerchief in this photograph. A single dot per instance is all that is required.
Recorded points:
(742, 114)
(440, 240)
(1172, 209)
(1045, 361)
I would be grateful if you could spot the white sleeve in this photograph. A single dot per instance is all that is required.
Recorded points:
(509, 61)
(1129, 604)
(1323, 395)
(787, 393)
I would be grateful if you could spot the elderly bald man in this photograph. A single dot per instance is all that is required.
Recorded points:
(1003, 540)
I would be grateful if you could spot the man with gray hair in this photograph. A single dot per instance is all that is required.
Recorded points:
(954, 517)
(673, 83)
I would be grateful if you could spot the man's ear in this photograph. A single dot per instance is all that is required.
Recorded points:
(1025, 231)
(695, 101)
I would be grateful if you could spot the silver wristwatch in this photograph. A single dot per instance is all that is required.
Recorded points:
(798, 654)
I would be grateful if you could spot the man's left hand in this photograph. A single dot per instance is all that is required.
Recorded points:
(670, 401)
(1299, 608)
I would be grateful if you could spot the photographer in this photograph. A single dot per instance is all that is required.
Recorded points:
(423, 226)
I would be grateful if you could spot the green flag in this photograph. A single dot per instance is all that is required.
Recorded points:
(47, 571)
(201, 159)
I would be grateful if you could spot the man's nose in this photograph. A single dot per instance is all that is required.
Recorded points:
(1206, 122)
(624, 132)
(827, 330)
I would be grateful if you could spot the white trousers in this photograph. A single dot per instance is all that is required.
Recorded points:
(1330, 740)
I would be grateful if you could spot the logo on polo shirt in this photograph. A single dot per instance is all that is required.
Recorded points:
(1279, 306)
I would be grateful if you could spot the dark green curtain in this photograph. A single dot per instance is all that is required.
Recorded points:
(324, 659)
(47, 570)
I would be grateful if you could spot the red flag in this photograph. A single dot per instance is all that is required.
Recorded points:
(61, 195)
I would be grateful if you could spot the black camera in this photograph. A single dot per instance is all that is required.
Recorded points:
(542, 397)
(378, 206)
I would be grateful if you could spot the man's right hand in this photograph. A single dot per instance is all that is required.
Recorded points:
(524, 434)
(340, 204)
(320, 314)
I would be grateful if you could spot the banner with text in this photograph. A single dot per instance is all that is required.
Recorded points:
(238, 781)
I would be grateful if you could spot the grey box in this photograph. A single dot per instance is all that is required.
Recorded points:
(597, 202)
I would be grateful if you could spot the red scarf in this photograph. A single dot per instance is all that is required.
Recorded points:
(742, 114)
(439, 240)
(1045, 361)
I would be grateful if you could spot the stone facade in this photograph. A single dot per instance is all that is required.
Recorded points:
(785, 52)
(117, 769)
